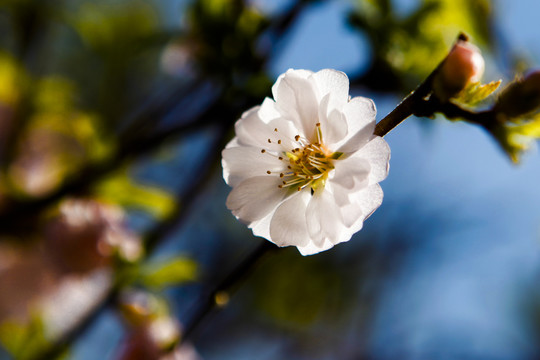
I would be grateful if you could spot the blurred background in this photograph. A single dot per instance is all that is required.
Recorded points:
(115, 242)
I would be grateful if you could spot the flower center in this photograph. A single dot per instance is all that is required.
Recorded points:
(308, 165)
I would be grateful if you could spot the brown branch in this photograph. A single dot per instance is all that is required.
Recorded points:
(485, 118)
(409, 106)
(423, 103)
(61, 346)
(207, 301)
(152, 238)
(185, 198)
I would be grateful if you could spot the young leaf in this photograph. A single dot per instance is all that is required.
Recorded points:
(476, 93)
(175, 271)
(121, 189)
(24, 340)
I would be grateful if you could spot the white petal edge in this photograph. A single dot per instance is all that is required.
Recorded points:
(377, 152)
(312, 249)
(288, 225)
(360, 115)
(261, 227)
(296, 99)
(335, 83)
(254, 198)
(323, 218)
(369, 200)
(268, 111)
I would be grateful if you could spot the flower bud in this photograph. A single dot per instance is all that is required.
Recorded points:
(463, 65)
(520, 97)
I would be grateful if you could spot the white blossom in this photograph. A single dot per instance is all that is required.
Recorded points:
(305, 166)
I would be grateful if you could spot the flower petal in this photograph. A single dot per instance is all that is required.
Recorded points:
(284, 136)
(352, 213)
(261, 227)
(377, 152)
(296, 99)
(333, 123)
(335, 83)
(341, 194)
(255, 197)
(234, 164)
(323, 218)
(251, 130)
(368, 200)
(288, 225)
(360, 114)
(351, 173)
(268, 110)
(311, 248)
(245, 126)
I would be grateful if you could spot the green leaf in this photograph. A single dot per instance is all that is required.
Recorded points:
(529, 128)
(511, 145)
(117, 28)
(476, 93)
(121, 189)
(175, 271)
(24, 341)
(13, 79)
(515, 139)
(519, 138)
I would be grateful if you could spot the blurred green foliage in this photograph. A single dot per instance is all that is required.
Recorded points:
(518, 135)
(13, 79)
(223, 37)
(121, 189)
(163, 273)
(116, 30)
(23, 341)
(407, 47)
(298, 292)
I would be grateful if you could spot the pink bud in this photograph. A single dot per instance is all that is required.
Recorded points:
(463, 65)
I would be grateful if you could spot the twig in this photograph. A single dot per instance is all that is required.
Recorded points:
(153, 238)
(185, 198)
(208, 301)
(16, 212)
(62, 345)
(423, 103)
(409, 106)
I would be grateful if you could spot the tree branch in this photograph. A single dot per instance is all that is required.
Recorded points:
(208, 301)
(152, 238)
(409, 106)
(17, 213)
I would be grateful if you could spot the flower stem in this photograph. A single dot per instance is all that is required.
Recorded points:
(420, 103)
(396, 116)
(409, 106)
